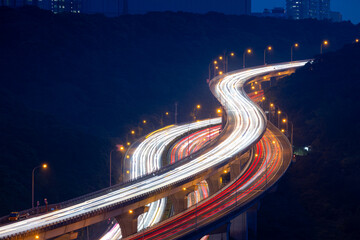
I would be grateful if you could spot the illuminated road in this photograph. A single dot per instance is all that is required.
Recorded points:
(147, 159)
(246, 124)
(265, 166)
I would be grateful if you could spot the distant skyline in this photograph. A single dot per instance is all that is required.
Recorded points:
(348, 8)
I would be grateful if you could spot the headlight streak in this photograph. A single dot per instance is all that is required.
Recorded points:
(244, 128)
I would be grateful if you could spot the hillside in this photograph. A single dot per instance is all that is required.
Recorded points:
(319, 197)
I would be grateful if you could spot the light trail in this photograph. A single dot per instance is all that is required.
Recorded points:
(147, 159)
(246, 124)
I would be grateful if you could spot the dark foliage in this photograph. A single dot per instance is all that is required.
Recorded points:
(323, 188)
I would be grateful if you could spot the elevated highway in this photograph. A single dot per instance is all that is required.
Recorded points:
(246, 123)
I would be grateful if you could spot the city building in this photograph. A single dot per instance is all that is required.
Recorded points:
(277, 12)
(57, 6)
(335, 16)
(301, 9)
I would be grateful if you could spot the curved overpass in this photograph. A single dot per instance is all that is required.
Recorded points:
(245, 126)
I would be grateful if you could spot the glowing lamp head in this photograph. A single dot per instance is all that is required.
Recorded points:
(44, 165)
(128, 143)
(282, 130)
(284, 120)
(132, 132)
(220, 58)
(269, 48)
(167, 113)
(37, 237)
(184, 189)
(326, 42)
(357, 40)
(271, 105)
(217, 67)
(232, 54)
(144, 121)
(198, 106)
(131, 211)
(219, 110)
(127, 156)
(296, 45)
(252, 87)
(225, 171)
(249, 51)
(263, 98)
(127, 171)
(279, 112)
(215, 62)
(220, 73)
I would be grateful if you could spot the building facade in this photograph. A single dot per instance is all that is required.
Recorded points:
(57, 6)
(301, 9)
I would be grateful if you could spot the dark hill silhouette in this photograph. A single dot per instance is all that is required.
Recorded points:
(319, 198)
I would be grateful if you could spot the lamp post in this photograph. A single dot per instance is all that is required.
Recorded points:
(232, 54)
(118, 148)
(247, 51)
(44, 166)
(292, 49)
(268, 49)
(323, 44)
(214, 65)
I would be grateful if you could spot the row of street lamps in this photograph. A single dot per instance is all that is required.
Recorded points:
(224, 59)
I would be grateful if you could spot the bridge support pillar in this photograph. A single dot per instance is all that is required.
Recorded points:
(128, 221)
(237, 165)
(179, 199)
(214, 183)
(244, 226)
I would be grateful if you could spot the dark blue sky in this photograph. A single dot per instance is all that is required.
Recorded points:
(350, 9)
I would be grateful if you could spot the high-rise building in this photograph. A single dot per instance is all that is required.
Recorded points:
(295, 9)
(324, 9)
(57, 6)
(300, 9)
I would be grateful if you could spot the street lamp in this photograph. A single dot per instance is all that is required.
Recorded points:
(214, 66)
(357, 40)
(323, 44)
(268, 49)
(119, 148)
(292, 49)
(43, 166)
(247, 51)
(232, 54)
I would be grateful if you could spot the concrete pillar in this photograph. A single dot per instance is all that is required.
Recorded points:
(239, 227)
(221, 233)
(179, 199)
(244, 226)
(214, 183)
(252, 221)
(128, 221)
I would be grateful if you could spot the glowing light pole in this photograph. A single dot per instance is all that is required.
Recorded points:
(292, 49)
(44, 166)
(247, 51)
(323, 44)
(268, 49)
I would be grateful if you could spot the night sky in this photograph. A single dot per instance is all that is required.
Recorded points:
(349, 8)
